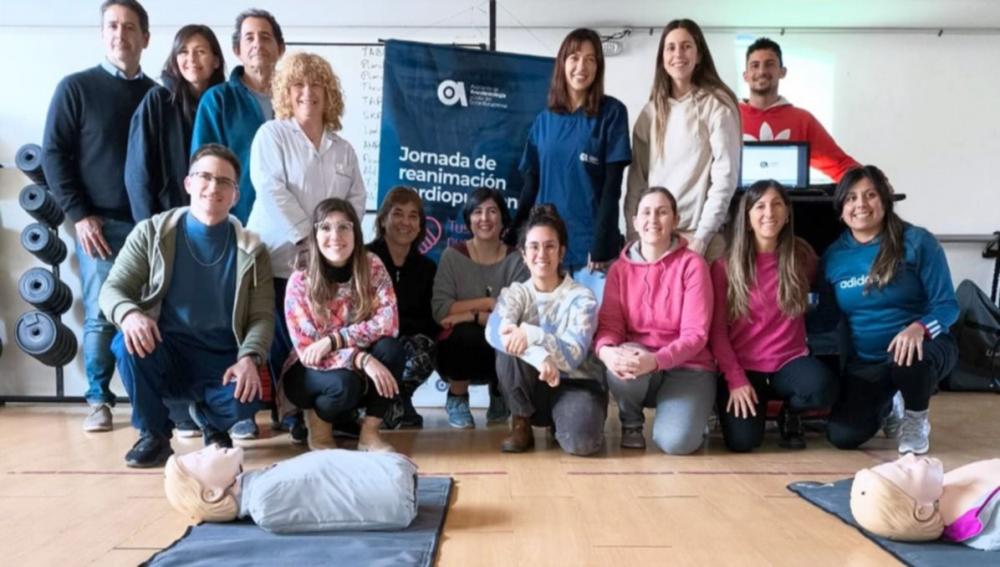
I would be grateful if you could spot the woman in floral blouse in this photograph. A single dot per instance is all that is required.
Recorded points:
(341, 312)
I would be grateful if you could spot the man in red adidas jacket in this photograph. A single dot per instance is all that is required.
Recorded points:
(766, 116)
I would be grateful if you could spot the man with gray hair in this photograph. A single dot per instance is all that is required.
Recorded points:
(230, 113)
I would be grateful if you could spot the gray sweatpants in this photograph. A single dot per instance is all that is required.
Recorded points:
(683, 399)
(576, 408)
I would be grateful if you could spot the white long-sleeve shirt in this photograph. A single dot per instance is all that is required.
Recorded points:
(291, 177)
(699, 164)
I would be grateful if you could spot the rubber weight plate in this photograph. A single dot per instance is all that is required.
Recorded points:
(40, 204)
(44, 243)
(29, 160)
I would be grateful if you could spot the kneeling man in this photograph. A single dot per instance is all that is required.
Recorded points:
(192, 295)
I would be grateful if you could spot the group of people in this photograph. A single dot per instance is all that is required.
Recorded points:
(551, 307)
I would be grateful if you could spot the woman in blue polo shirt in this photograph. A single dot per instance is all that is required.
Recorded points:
(576, 153)
(891, 279)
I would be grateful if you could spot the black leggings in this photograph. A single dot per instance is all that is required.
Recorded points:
(868, 388)
(803, 383)
(336, 393)
(465, 355)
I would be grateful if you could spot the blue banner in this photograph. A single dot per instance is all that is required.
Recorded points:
(453, 120)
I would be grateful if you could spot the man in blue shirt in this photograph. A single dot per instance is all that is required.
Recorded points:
(192, 293)
(84, 146)
(230, 113)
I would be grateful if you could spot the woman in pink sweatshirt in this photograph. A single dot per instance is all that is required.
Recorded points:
(758, 329)
(652, 331)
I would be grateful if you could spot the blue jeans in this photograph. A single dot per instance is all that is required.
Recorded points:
(594, 281)
(178, 371)
(98, 361)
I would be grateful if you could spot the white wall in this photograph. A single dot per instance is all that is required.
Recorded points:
(917, 105)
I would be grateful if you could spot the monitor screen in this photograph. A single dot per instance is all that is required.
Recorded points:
(785, 162)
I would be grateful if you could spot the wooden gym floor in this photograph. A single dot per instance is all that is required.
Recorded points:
(66, 497)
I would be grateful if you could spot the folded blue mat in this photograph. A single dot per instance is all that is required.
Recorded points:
(835, 499)
(237, 544)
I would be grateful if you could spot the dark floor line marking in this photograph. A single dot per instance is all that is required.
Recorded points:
(633, 546)
(160, 473)
(89, 473)
(707, 473)
(464, 473)
(662, 496)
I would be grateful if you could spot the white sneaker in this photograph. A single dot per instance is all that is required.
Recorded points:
(99, 418)
(914, 433)
(893, 421)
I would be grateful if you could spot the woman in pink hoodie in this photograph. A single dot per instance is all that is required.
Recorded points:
(759, 330)
(652, 332)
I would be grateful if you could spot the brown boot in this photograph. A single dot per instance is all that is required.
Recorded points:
(521, 437)
(320, 432)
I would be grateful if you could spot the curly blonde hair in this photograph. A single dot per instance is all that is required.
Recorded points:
(186, 495)
(308, 67)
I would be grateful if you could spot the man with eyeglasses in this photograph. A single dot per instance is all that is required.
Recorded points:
(192, 293)
(84, 145)
(766, 116)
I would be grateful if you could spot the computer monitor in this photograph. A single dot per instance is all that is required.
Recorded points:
(785, 162)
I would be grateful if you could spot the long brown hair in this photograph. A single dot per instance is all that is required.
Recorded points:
(890, 251)
(558, 90)
(180, 90)
(705, 76)
(741, 258)
(322, 286)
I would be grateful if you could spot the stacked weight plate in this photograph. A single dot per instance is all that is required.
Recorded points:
(40, 333)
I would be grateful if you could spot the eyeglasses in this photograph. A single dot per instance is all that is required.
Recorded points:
(342, 228)
(546, 247)
(222, 182)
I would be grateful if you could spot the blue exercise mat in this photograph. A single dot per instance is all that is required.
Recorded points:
(236, 544)
(836, 499)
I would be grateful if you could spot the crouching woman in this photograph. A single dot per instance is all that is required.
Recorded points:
(341, 312)
(542, 330)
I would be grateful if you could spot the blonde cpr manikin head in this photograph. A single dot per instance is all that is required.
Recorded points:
(899, 500)
(199, 484)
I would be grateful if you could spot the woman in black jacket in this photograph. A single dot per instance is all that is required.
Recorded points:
(400, 227)
(159, 142)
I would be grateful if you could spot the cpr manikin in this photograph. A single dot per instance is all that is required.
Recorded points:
(913, 499)
(317, 491)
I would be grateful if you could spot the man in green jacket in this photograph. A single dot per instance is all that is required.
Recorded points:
(192, 294)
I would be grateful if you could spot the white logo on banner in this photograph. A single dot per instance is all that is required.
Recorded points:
(451, 92)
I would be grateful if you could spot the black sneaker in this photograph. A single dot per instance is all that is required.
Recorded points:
(411, 419)
(220, 438)
(633, 438)
(393, 414)
(790, 427)
(148, 452)
(298, 432)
